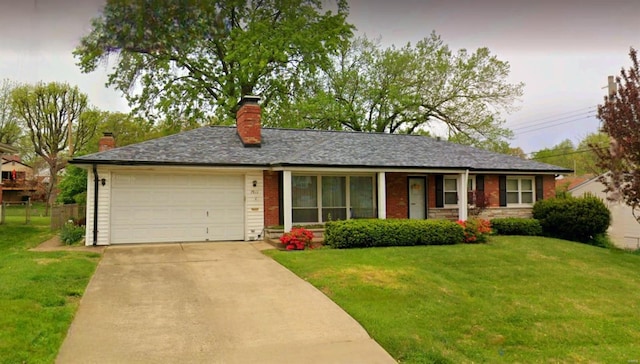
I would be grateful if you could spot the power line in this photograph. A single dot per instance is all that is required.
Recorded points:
(568, 153)
(550, 126)
(554, 116)
(579, 117)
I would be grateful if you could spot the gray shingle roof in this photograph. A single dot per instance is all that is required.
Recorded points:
(221, 146)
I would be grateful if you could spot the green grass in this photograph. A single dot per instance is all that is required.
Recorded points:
(39, 292)
(514, 300)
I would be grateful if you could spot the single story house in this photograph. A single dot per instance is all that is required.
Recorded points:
(624, 230)
(219, 183)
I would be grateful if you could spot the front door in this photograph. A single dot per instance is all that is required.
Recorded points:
(417, 198)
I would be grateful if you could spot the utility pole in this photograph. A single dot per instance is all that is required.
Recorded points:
(611, 86)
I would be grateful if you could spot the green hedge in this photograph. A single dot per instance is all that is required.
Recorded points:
(579, 219)
(516, 226)
(372, 233)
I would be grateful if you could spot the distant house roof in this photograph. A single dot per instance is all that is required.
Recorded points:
(570, 182)
(221, 146)
(12, 161)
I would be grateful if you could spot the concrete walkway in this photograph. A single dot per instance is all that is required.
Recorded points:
(209, 303)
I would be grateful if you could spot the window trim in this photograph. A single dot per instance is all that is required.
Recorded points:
(519, 179)
(471, 181)
(445, 191)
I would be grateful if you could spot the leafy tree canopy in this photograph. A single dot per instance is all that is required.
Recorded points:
(10, 130)
(126, 129)
(409, 89)
(196, 58)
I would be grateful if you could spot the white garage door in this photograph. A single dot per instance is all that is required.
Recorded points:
(158, 207)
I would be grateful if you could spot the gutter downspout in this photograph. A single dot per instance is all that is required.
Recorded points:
(95, 205)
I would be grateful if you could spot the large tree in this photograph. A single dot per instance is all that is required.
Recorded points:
(426, 87)
(53, 113)
(10, 130)
(620, 115)
(196, 58)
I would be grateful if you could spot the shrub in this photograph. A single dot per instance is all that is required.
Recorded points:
(373, 233)
(297, 239)
(579, 219)
(70, 233)
(475, 230)
(516, 226)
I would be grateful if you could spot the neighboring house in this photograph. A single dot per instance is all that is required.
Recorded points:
(5, 149)
(229, 183)
(565, 183)
(17, 179)
(624, 230)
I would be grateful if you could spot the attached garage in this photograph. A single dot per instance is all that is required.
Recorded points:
(158, 207)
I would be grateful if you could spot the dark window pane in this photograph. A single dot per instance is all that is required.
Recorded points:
(333, 191)
(333, 214)
(361, 192)
(363, 213)
(450, 198)
(304, 215)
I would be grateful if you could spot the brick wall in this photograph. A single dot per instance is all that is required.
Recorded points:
(271, 198)
(549, 186)
(397, 195)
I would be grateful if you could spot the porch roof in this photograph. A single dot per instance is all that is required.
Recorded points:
(221, 146)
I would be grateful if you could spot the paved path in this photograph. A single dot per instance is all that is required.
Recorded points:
(209, 303)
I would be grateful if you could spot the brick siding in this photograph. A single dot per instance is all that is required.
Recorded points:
(271, 198)
(397, 195)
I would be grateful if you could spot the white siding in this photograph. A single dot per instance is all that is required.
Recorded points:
(254, 204)
(624, 230)
(253, 199)
(104, 206)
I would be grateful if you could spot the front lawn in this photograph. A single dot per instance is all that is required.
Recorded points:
(516, 299)
(39, 292)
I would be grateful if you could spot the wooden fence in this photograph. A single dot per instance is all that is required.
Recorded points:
(62, 213)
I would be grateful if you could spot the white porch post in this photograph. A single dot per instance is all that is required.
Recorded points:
(286, 200)
(462, 196)
(382, 196)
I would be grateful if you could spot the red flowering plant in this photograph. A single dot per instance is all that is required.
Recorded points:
(475, 230)
(297, 239)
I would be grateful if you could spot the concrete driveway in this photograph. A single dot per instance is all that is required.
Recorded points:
(209, 303)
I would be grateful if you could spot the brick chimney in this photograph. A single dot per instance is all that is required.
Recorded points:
(248, 121)
(107, 142)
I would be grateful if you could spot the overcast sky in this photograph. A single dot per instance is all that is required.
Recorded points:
(562, 50)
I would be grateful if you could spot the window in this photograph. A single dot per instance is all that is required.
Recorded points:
(334, 199)
(450, 191)
(520, 191)
(471, 192)
(323, 198)
(304, 193)
(361, 197)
